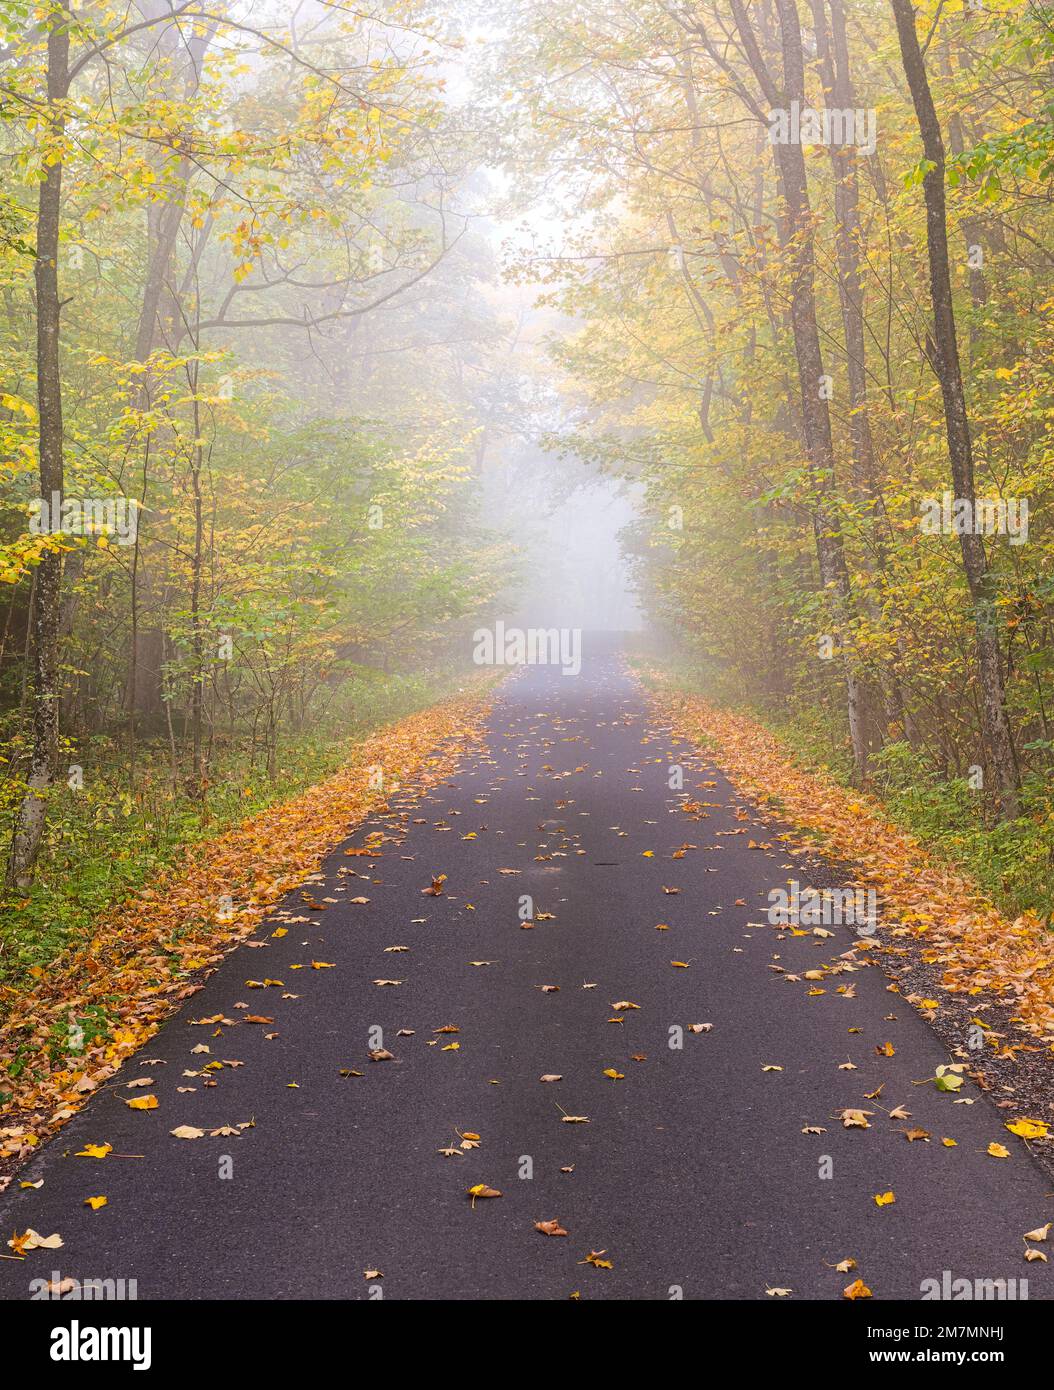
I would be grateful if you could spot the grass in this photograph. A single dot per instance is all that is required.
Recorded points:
(103, 843)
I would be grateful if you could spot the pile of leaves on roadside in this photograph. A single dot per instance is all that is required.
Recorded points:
(67, 1034)
(972, 947)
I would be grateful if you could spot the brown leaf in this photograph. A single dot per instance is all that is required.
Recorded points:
(550, 1228)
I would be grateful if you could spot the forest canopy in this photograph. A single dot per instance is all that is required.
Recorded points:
(313, 311)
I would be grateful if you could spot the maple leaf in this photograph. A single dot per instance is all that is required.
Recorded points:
(1028, 1129)
(143, 1103)
(32, 1240)
(857, 1289)
(95, 1151)
(594, 1259)
(855, 1119)
(550, 1228)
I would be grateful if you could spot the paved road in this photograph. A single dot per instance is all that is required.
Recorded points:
(693, 1172)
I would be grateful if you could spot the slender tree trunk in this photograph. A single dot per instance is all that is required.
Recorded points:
(944, 355)
(29, 824)
(850, 247)
(838, 85)
(197, 706)
(797, 237)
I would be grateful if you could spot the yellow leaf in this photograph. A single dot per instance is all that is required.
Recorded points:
(143, 1103)
(1028, 1129)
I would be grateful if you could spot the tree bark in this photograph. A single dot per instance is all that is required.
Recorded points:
(797, 238)
(944, 357)
(29, 823)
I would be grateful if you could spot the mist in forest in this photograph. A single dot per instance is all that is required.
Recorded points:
(723, 323)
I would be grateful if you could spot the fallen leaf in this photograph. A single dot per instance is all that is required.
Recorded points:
(550, 1228)
(1028, 1129)
(95, 1151)
(593, 1258)
(32, 1240)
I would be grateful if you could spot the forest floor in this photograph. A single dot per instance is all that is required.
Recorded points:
(545, 975)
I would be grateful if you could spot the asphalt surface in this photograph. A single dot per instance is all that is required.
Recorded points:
(693, 1173)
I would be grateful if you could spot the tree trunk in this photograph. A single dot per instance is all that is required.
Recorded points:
(944, 356)
(197, 634)
(797, 239)
(29, 824)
